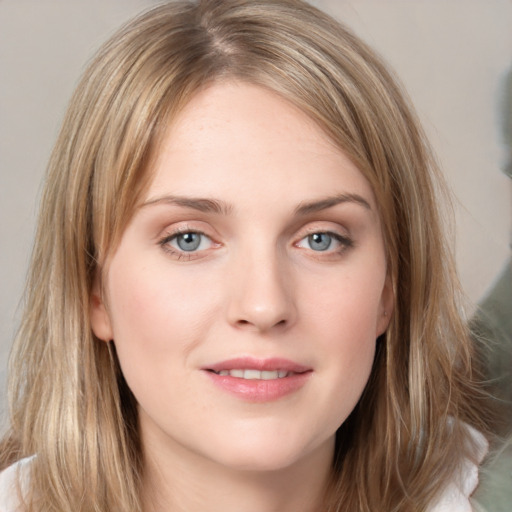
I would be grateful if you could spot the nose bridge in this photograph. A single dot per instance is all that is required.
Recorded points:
(262, 289)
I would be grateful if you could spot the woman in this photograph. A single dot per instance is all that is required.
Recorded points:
(241, 296)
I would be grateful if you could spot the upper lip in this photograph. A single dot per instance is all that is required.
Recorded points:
(251, 363)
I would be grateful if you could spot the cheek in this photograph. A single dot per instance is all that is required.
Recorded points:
(153, 304)
(158, 318)
(346, 330)
(343, 319)
(348, 306)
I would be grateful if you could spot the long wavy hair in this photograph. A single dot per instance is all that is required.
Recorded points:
(69, 403)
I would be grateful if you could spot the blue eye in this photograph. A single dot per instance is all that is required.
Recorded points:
(187, 241)
(320, 241)
(323, 241)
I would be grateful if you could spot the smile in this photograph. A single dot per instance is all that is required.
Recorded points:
(255, 374)
(259, 380)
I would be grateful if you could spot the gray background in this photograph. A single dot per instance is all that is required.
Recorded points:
(452, 56)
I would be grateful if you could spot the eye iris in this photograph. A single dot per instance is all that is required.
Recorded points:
(188, 241)
(319, 241)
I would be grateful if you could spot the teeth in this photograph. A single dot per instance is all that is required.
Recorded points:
(255, 374)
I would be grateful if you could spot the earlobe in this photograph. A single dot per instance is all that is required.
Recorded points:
(98, 314)
(387, 305)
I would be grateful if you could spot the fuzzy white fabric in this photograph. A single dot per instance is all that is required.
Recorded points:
(13, 483)
(456, 496)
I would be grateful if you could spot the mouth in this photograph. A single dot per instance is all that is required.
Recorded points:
(249, 374)
(250, 368)
(259, 380)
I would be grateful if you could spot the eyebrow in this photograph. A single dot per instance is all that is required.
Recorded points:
(329, 202)
(196, 203)
(222, 208)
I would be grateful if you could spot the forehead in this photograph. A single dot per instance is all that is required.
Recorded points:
(233, 137)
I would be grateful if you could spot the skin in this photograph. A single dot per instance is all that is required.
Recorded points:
(257, 286)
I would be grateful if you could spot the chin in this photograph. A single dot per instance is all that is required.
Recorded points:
(269, 454)
(260, 463)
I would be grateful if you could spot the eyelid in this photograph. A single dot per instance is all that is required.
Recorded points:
(184, 226)
(341, 236)
(343, 239)
(335, 229)
(172, 233)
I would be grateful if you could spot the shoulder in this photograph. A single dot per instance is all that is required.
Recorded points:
(13, 483)
(456, 495)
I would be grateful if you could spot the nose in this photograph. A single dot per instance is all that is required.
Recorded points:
(262, 297)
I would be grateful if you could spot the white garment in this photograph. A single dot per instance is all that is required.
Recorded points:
(455, 497)
(13, 481)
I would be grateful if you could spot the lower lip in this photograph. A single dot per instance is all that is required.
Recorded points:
(259, 390)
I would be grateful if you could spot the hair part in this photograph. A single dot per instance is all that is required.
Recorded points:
(83, 424)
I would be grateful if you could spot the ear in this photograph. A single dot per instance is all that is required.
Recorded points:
(387, 305)
(98, 314)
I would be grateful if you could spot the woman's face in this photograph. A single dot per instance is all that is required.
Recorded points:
(247, 292)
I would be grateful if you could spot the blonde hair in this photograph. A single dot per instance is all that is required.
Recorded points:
(69, 402)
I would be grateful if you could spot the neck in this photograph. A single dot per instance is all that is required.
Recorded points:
(177, 483)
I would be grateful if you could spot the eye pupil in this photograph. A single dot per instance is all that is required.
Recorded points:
(319, 241)
(188, 241)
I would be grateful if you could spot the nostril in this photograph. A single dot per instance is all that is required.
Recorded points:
(243, 323)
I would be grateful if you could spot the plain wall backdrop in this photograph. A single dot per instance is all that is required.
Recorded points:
(452, 56)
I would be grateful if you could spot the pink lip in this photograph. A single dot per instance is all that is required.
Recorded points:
(259, 390)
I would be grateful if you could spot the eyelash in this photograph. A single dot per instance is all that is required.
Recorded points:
(181, 254)
(344, 241)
